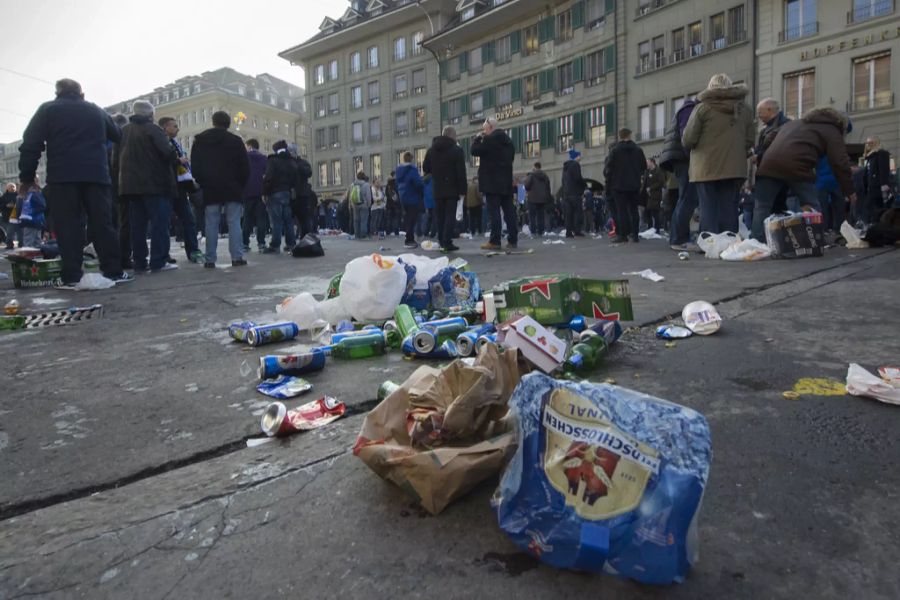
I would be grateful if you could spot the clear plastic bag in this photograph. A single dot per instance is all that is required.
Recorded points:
(372, 287)
(713, 244)
(746, 250)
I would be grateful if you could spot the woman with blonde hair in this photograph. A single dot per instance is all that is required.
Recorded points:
(878, 180)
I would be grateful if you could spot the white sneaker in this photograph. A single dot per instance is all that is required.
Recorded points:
(165, 267)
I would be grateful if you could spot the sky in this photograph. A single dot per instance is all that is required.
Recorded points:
(119, 49)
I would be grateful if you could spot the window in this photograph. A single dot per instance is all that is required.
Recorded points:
(334, 136)
(400, 48)
(400, 156)
(596, 66)
(374, 93)
(421, 120)
(320, 139)
(476, 105)
(717, 31)
(595, 13)
(417, 39)
(265, 124)
(643, 7)
(564, 26)
(565, 79)
(659, 119)
(453, 68)
(677, 103)
(532, 42)
(475, 64)
(334, 106)
(336, 171)
(652, 121)
(374, 129)
(565, 137)
(287, 105)
(503, 50)
(532, 89)
(799, 93)
(799, 19)
(401, 123)
(597, 127)
(356, 132)
(872, 82)
(165, 96)
(323, 174)
(333, 70)
(275, 126)
(659, 51)
(504, 94)
(532, 140)
(176, 93)
(197, 88)
(319, 106)
(454, 108)
(273, 100)
(357, 165)
(869, 9)
(644, 57)
(355, 62)
(375, 166)
(419, 154)
(372, 57)
(678, 44)
(401, 86)
(205, 116)
(467, 14)
(644, 123)
(736, 27)
(695, 32)
(320, 74)
(418, 81)
(187, 90)
(356, 96)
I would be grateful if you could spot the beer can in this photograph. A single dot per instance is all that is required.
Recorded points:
(452, 326)
(268, 334)
(291, 364)
(423, 341)
(393, 338)
(405, 320)
(337, 337)
(578, 324)
(390, 325)
(489, 338)
(611, 331)
(277, 420)
(684, 256)
(386, 389)
(467, 341)
(446, 349)
(239, 329)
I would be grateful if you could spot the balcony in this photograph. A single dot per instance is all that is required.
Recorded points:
(800, 31)
(880, 8)
(648, 7)
(879, 101)
(565, 91)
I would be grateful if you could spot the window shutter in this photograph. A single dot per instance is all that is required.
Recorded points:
(551, 133)
(516, 90)
(610, 56)
(515, 41)
(487, 52)
(445, 112)
(578, 69)
(610, 6)
(464, 105)
(466, 146)
(488, 98)
(578, 15)
(515, 133)
(463, 62)
(544, 134)
(611, 120)
(547, 29)
(442, 69)
(578, 126)
(546, 80)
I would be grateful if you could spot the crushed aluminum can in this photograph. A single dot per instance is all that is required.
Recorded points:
(467, 341)
(611, 331)
(291, 364)
(239, 330)
(672, 332)
(279, 421)
(684, 256)
(284, 387)
(268, 334)
(701, 318)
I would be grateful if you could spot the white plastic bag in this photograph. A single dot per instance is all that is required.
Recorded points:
(862, 383)
(713, 244)
(372, 286)
(853, 237)
(746, 250)
(302, 309)
(94, 281)
(459, 210)
(426, 268)
(647, 274)
(650, 234)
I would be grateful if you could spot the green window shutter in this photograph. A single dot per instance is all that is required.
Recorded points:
(610, 6)
(545, 80)
(611, 121)
(442, 69)
(542, 132)
(464, 105)
(610, 56)
(578, 69)
(515, 41)
(578, 126)
(578, 15)
(515, 133)
(466, 146)
(487, 52)
(445, 112)
(488, 98)
(463, 62)
(551, 133)
(516, 90)
(547, 29)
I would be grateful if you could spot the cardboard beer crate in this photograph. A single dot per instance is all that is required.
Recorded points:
(40, 272)
(797, 235)
(555, 299)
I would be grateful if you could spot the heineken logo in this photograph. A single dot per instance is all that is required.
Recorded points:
(540, 285)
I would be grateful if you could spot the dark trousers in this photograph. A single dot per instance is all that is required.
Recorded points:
(154, 211)
(70, 203)
(627, 219)
(183, 210)
(834, 208)
(255, 215)
(719, 205)
(653, 218)
(474, 215)
(445, 217)
(123, 212)
(504, 202)
(572, 206)
(536, 216)
(410, 216)
(688, 200)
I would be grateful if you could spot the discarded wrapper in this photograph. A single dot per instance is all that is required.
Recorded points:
(672, 332)
(278, 420)
(649, 274)
(890, 374)
(701, 317)
(284, 387)
(535, 342)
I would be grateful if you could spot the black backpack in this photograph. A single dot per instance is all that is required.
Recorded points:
(309, 246)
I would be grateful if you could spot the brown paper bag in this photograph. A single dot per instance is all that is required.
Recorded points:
(473, 401)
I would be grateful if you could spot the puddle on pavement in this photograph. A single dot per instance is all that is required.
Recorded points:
(512, 564)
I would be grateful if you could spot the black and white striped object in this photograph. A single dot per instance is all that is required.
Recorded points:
(64, 317)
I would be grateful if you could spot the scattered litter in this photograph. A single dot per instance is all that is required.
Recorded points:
(684, 255)
(853, 237)
(245, 369)
(277, 420)
(713, 244)
(671, 344)
(795, 235)
(429, 245)
(284, 387)
(11, 307)
(254, 442)
(890, 374)
(540, 347)
(239, 330)
(550, 242)
(555, 299)
(94, 281)
(647, 274)
(701, 317)
(672, 332)
(47, 319)
(270, 334)
(650, 234)
(791, 395)
(862, 383)
(746, 250)
(308, 246)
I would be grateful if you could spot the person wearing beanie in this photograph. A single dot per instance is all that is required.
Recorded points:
(74, 134)
(573, 192)
(279, 181)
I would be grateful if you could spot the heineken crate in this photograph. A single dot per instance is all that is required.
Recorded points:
(555, 299)
(41, 272)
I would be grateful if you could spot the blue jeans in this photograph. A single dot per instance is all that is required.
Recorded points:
(213, 218)
(185, 214)
(281, 218)
(155, 211)
(688, 200)
(378, 221)
(718, 205)
(360, 216)
(767, 189)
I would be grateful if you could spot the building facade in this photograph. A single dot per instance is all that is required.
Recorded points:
(839, 53)
(9, 164)
(272, 109)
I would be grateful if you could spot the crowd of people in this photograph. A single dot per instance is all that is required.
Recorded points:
(117, 181)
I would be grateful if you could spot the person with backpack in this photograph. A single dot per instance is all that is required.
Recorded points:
(675, 158)
(279, 182)
(410, 188)
(360, 197)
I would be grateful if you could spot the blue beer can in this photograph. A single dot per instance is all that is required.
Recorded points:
(467, 341)
(489, 338)
(291, 364)
(578, 324)
(239, 329)
(610, 331)
(269, 334)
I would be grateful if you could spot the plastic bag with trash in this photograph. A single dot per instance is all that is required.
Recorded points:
(713, 244)
(862, 383)
(746, 250)
(418, 296)
(372, 287)
(94, 281)
(853, 237)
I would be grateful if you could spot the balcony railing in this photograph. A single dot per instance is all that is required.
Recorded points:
(647, 63)
(872, 10)
(878, 101)
(800, 31)
(650, 6)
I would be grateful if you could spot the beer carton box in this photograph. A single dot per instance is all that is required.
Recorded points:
(555, 299)
(797, 235)
(535, 342)
(35, 272)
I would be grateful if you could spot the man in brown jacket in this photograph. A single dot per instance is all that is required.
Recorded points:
(791, 161)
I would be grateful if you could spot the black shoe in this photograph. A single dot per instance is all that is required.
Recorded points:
(619, 239)
(209, 265)
(512, 246)
(452, 248)
(127, 265)
(171, 260)
(635, 239)
(270, 250)
(239, 263)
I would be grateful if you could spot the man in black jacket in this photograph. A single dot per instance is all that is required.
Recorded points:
(537, 185)
(445, 161)
(279, 182)
(573, 193)
(305, 204)
(75, 134)
(495, 174)
(221, 167)
(625, 167)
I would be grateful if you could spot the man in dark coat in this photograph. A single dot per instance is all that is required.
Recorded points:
(573, 193)
(221, 168)
(145, 161)
(537, 184)
(255, 214)
(75, 134)
(445, 161)
(305, 204)
(496, 153)
(676, 158)
(279, 183)
(878, 180)
(625, 167)
(185, 186)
